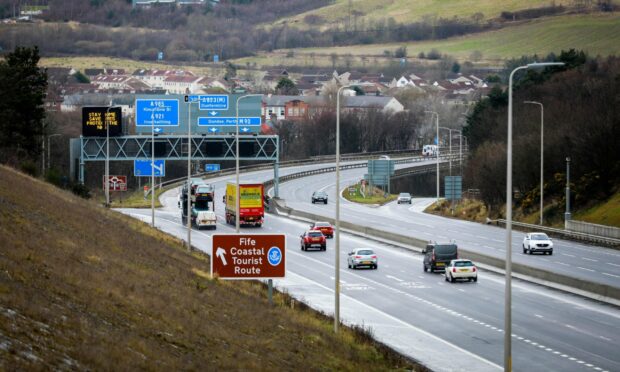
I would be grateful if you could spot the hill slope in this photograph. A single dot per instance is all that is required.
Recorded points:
(596, 34)
(82, 287)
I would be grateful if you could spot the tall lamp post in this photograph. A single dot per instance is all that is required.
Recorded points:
(567, 213)
(437, 127)
(107, 156)
(238, 207)
(337, 251)
(449, 146)
(542, 131)
(508, 291)
(189, 174)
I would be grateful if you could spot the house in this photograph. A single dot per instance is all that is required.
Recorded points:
(155, 78)
(276, 108)
(105, 82)
(183, 84)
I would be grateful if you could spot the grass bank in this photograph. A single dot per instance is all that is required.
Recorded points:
(596, 34)
(85, 288)
(355, 194)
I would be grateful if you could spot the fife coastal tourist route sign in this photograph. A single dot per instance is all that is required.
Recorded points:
(248, 256)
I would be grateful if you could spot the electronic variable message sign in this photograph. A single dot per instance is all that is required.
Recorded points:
(248, 256)
(95, 119)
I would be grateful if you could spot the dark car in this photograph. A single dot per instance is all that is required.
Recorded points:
(313, 239)
(438, 256)
(319, 196)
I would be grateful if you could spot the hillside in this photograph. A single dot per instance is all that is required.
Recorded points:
(359, 12)
(86, 288)
(596, 34)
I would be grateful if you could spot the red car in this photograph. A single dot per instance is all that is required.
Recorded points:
(313, 239)
(324, 227)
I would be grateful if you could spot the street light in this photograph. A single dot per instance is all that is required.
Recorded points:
(449, 146)
(542, 130)
(337, 263)
(567, 213)
(238, 207)
(107, 156)
(437, 126)
(508, 291)
(48, 148)
(189, 174)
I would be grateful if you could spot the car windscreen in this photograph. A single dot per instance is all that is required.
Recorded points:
(319, 193)
(539, 237)
(322, 224)
(365, 252)
(405, 194)
(204, 189)
(315, 234)
(463, 263)
(445, 249)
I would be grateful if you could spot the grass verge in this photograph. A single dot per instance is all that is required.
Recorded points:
(378, 196)
(85, 288)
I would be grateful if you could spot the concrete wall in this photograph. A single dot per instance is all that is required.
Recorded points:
(594, 229)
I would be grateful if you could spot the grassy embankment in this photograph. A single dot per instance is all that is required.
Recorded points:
(407, 11)
(83, 287)
(597, 34)
(607, 212)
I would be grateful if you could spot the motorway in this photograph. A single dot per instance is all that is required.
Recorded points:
(592, 263)
(444, 326)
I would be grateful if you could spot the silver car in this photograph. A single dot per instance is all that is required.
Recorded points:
(362, 257)
(537, 242)
(404, 197)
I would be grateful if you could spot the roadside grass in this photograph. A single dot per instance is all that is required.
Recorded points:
(596, 34)
(378, 196)
(466, 209)
(83, 287)
(132, 199)
(605, 213)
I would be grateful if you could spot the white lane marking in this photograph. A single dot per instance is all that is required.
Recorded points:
(538, 316)
(497, 240)
(615, 276)
(561, 263)
(569, 255)
(589, 259)
(395, 278)
(613, 264)
(583, 268)
(410, 326)
(605, 338)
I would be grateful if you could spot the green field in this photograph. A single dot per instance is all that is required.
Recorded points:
(408, 11)
(597, 34)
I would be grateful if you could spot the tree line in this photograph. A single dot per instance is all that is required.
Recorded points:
(581, 121)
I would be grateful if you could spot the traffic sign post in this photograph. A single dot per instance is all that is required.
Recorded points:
(248, 256)
(142, 168)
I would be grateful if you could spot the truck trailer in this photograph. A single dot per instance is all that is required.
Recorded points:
(202, 204)
(251, 208)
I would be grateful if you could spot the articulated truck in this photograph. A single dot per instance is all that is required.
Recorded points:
(251, 208)
(201, 194)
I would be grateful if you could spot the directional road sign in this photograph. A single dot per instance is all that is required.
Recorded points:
(142, 168)
(248, 256)
(453, 186)
(117, 183)
(222, 121)
(157, 112)
(212, 167)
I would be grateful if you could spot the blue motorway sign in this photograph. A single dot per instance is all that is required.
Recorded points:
(143, 168)
(157, 112)
(212, 167)
(213, 102)
(223, 121)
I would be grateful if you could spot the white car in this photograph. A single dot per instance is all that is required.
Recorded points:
(404, 197)
(362, 257)
(537, 242)
(461, 269)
